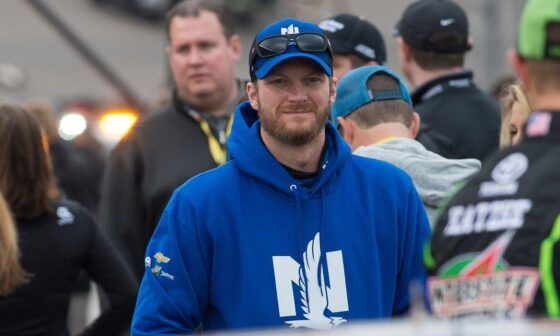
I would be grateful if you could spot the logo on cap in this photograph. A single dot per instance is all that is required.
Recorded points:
(331, 26)
(365, 50)
(290, 30)
(446, 22)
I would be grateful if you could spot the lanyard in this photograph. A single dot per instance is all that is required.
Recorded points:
(217, 147)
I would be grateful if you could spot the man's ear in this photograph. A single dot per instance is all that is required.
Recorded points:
(519, 67)
(332, 89)
(168, 52)
(415, 125)
(404, 50)
(252, 95)
(346, 129)
(235, 45)
(470, 42)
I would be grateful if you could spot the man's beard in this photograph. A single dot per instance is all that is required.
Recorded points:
(271, 124)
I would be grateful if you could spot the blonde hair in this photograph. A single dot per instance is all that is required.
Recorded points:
(12, 274)
(511, 94)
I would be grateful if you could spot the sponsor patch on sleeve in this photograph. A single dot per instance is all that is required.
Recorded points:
(157, 269)
(161, 258)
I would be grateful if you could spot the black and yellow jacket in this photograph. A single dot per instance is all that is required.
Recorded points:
(163, 150)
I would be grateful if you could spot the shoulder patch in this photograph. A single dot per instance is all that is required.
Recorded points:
(64, 215)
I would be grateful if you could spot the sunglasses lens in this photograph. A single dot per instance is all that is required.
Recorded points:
(311, 42)
(273, 46)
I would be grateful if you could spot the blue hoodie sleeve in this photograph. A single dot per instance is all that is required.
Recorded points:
(174, 291)
(415, 233)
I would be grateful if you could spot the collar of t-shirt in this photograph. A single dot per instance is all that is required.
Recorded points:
(307, 179)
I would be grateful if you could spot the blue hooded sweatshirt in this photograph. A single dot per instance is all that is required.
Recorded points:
(247, 246)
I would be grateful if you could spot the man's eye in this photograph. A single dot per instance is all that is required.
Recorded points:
(315, 79)
(206, 46)
(184, 49)
(278, 81)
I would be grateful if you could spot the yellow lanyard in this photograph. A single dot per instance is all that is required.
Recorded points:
(217, 150)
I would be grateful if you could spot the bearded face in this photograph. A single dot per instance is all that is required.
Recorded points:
(293, 101)
(299, 129)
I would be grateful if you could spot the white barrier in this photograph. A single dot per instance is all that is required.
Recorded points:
(426, 327)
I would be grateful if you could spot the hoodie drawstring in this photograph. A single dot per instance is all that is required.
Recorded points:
(322, 228)
(300, 224)
(299, 220)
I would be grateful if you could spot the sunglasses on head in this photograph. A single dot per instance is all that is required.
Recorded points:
(276, 45)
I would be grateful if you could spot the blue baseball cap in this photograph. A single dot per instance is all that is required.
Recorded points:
(352, 91)
(261, 66)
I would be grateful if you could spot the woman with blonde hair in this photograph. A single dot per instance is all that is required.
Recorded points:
(515, 111)
(57, 239)
(12, 274)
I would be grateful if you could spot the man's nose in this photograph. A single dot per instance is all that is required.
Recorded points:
(195, 56)
(298, 94)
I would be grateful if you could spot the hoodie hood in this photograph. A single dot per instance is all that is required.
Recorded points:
(249, 153)
(433, 175)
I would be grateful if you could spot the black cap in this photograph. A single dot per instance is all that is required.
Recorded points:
(424, 20)
(351, 34)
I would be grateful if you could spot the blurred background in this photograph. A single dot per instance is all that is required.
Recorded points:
(125, 39)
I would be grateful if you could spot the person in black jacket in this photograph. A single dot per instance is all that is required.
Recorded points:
(184, 138)
(458, 119)
(57, 239)
(495, 251)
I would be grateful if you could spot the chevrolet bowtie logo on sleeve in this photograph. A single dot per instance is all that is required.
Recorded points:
(161, 258)
(157, 269)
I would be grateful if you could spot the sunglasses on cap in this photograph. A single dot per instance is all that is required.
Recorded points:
(277, 45)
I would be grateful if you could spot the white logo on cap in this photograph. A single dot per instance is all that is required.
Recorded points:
(446, 22)
(290, 30)
(331, 25)
(365, 50)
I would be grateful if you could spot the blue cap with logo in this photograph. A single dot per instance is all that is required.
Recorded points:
(286, 39)
(352, 91)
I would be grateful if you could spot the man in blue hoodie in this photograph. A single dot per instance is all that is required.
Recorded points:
(294, 230)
